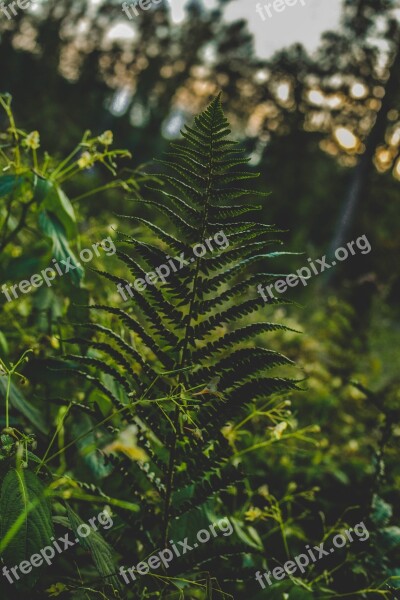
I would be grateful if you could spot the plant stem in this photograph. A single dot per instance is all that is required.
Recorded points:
(13, 130)
(8, 398)
(107, 186)
(65, 161)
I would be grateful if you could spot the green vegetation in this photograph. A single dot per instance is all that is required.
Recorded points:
(173, 415)
(185, 402)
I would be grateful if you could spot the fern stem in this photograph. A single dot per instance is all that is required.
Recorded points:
(171, 464)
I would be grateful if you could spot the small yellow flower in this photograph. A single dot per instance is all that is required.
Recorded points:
(32, 140)
(253, 514)
(353, 445)
(314, 429)
(106, 138)
(126, 443)
(56, 589)
(264, 491)
(85, 161)
(279, 429)
(229, 433)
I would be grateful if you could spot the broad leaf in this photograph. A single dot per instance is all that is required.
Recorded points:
(18, 401)
(101, 551)
(22, 495)
(54, 229)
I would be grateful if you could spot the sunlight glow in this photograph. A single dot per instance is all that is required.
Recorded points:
(383, 159)
(120, 31)
(335, 101)
(177, 11)
(395, 137)
(346, 138)
(397, 169)
(358, 90)
(282, 91)
(316, 97)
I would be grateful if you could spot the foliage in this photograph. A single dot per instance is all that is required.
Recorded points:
(178, 411)
(180, 407)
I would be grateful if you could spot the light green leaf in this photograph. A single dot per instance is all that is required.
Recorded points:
(88, 448)
(52, 198)
(3, 346)
(54, 229)
(247, 534)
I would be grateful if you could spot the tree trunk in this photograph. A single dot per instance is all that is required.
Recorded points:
(361, 173)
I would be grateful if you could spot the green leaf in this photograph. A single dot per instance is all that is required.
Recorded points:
(3, 346)
(394, 575)
(282, 590)
(22, 496)
(390, 537)
(88, 448)
(53, 199)
(22, 267)
(101, 551)
(54, 229)
(58, 203)
(8, 183)
(41, 188)
(247, 534)
(18, 401)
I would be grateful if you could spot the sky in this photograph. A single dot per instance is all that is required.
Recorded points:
(303, 22)
(294, 24)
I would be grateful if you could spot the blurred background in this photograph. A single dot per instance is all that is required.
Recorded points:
(313, 95)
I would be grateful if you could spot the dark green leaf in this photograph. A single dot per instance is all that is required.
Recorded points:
(22, 493)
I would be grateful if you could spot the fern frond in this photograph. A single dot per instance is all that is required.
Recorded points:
(201, 194)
